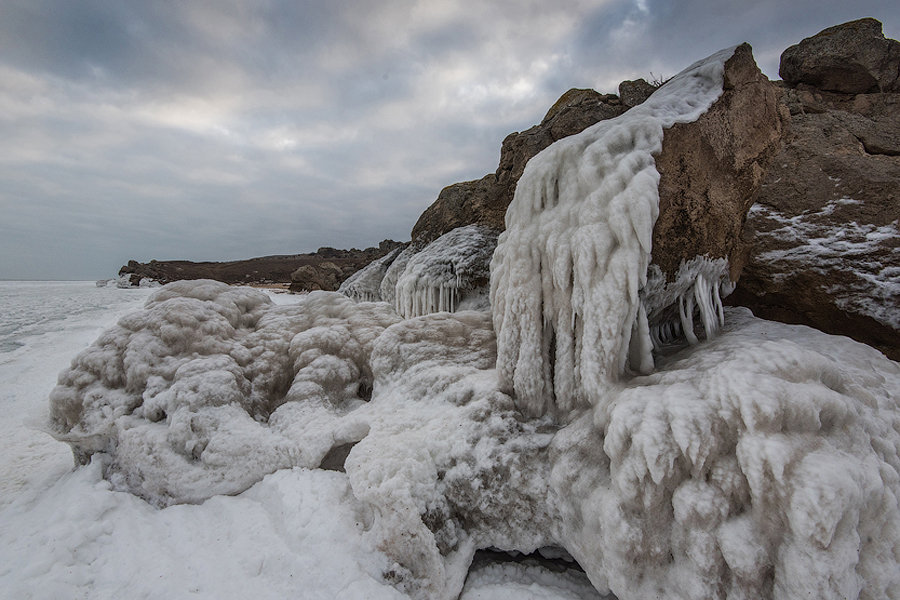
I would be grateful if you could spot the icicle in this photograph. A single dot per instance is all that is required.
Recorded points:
(640, 350)
(686, 312)
(720, 309)
(703, 295)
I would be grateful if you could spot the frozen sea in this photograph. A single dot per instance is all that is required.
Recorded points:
(65, 534)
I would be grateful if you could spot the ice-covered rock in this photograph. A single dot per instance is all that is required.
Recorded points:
(365, 284)
(567, 271)
(451, 272)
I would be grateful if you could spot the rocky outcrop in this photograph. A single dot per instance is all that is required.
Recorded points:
(328, 267)
(853, 58)
(710, 170)
(827, 248)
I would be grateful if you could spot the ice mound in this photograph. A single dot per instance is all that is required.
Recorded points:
(210, 387)
(449, 274)
(761, 464)
(568, 270)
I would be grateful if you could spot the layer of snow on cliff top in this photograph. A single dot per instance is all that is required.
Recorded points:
(868, 252)
(568, 269)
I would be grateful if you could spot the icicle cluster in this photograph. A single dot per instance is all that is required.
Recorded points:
(568, 269)
(699, 286)
(449, 274)
(437, 278)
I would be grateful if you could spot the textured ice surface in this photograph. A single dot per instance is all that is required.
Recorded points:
(365, 284)
(568, 269)
(452, 270)
(760, 464)
(210, 387)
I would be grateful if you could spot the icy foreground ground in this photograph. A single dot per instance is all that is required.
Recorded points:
(761, 462)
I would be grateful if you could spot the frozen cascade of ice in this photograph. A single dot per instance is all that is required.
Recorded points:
(446, 272)
(669, 306)
(365, 284)
(568, 270)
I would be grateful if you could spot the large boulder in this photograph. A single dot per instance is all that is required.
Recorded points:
(853, 58)
(711, 168)
(827, 249)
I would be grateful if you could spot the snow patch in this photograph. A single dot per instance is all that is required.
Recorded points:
(866, 251)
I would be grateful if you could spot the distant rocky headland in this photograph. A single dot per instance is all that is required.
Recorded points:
(324, 269)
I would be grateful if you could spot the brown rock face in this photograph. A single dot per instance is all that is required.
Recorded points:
(853, 58)
(484, 202)
(711, 168)
(827, 248)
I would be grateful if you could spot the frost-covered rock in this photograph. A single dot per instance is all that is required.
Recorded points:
(827, 247)
(450, 273)
(365, 284)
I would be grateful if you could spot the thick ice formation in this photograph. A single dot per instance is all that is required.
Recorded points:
(211, 387)
(450, 271)
(566, 276)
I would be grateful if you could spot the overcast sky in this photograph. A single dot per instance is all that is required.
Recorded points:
(229, 129)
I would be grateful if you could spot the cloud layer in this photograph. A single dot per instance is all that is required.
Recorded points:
(227, 129)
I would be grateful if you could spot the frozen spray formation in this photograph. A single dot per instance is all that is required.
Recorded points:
(450, 271)
(762, 463)
(449, 274)
(568, 271)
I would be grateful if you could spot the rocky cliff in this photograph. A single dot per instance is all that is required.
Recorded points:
(827, 245)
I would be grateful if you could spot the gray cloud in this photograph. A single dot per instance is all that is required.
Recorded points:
(226, 129)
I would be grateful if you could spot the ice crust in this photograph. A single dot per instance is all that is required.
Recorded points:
(761, 462)
(449, 274)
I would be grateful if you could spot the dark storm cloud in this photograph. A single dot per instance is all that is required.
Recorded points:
(225, 129)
